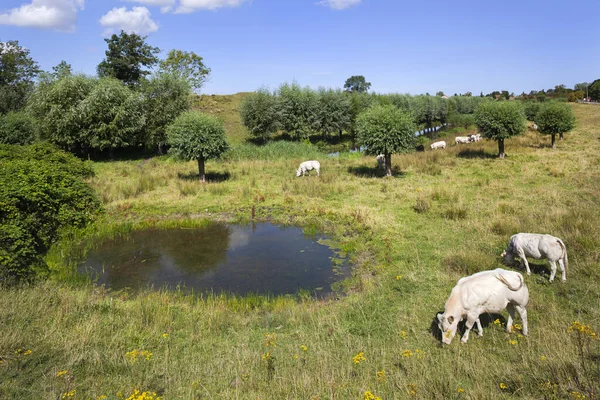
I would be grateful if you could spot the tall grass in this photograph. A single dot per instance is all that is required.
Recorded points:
(273, 151)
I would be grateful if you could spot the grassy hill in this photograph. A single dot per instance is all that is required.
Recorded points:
(445, 214)
(226, 107)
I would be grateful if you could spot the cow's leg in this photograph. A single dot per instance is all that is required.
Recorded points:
(524, 260)
(511, 316)
(523, 313)
(479, 328)
(561, 264)
(318, 172)
(469, 325)
(552, 269)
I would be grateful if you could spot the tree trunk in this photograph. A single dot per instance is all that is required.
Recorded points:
(388, 164)
(160, 149)
(501, 149)
(561, 136)
(554, 141)
(201, 174)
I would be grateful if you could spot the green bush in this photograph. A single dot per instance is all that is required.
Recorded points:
(42, 190)
(18, 128)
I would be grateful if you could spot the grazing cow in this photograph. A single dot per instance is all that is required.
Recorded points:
(307, 166)
(381, 161)
(461, 139)
(420, 148)
(475, 138)
(438, 145)
(535, 127)
(484, 292)
(537, 246)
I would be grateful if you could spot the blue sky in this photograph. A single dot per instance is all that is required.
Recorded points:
(399, 46)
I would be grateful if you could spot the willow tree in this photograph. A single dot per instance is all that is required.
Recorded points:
(386, 130)
(555, 118)
(197, 136)
(499, 121)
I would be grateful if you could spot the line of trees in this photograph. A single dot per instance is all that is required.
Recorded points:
(301, 112)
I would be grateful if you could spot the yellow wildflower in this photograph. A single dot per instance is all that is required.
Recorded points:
(146, 354)
(513, 342)
(460, 390)
(497, 321)
(419, 189)
(582, 329)
(412, 389)
(358, 358)
(61, 373)
(517, 326)
(303, 348)
(296, 356)
(398, 277)
(165, 335)
(543, 358)
(266, 356)
(28, 352)
(407, 353)
(66, 395)
(578, 396)
(270, 340)
(503, 386)
(381, 377)
(101, 397)
(403, 334)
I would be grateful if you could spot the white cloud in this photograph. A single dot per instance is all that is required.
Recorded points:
(165, 5)
(60, 15)
(189, 6)
(339, 4)
(138, 20)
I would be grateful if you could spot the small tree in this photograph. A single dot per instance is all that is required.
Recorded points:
(197, 136)
(334, 110)
(357, 83)
(499, 121)
(259, 114)
(386, 130)
(555, 118)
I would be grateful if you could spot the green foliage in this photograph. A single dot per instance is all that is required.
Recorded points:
(386, 130)
(41, 191)
(555, 118)
(186, 65)
(298, 110)
(278, 150)
(576, 95)
(17, 73)
(195, 136)
(500, 120)
(126, 58)
(166, 96)
(594, 90)
(18, 128)
(461, 120)
(334, 110)
(357, 84)
(259, 113)
(531, 109)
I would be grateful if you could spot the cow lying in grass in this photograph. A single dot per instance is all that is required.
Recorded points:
(438, 145)
(484, 292)
(461, 139)
(307, 166)
(537, 246)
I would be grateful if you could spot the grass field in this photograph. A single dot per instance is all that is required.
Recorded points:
(444, 215)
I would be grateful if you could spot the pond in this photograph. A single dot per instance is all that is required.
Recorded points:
(238, 259)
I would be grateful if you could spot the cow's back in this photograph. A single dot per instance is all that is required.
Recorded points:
(485, 289)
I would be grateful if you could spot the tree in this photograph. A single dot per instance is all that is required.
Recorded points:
(17, 73)
(581, 86)
(531, 109)
(386, 130)
(197, 136)
(500, 121)
(298, 110)
(334, 110)
(440, 94)
(357, 84)
(555, 118)
(61, 70)
(594, 90)
(126, 58)
(259, 114)
(166, 96)
(186, 65)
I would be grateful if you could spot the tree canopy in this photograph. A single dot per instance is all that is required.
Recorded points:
(127, 57)
(500, 120)
(188, 66)
(260, 114)
(357, 84)
(555, 118)
(386, 130)
(594, 90)
(17, 73)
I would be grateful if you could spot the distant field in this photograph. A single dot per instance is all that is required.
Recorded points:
(445, 214)
(226, 107)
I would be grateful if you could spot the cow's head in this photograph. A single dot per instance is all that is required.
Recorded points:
(507, 258)
(299, 172)
(448, 324)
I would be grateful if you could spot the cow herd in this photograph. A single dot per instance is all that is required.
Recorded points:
(499, 289)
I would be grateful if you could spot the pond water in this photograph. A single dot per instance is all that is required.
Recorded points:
(257, 258)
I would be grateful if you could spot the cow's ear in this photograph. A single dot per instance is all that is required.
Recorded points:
(439, 317)
(451, 319)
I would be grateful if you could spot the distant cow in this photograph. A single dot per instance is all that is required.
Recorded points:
(381, 161)
(438, 145)
(475, 138)
(307, 166)
(461, 139)
(420, 148)
(535, 127)
(484, 292)
(537, 246)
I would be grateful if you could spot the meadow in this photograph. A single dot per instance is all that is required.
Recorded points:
(445, 214)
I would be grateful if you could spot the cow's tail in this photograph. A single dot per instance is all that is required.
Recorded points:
(564, 253)
(502, 279)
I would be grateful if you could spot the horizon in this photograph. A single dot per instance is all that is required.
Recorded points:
(411, 48)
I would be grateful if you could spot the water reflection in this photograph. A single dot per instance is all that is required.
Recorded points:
(259, 258)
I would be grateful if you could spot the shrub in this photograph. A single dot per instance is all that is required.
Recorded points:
(499, 121)
(298, 110)
(18, 128)
(41, 191)
(259, 114)
(197, 136)
(555, 118)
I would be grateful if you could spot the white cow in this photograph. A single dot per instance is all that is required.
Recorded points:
(484, 292)
(475, 138)
(535, 127)
(381, 161)
(307, 166)
(461, 139)
(537, 246)
(438, 145)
